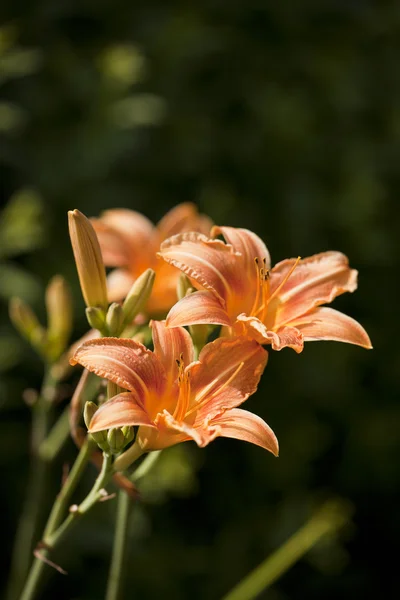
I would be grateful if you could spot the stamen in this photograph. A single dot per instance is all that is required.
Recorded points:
(285, 279)
(261, 299)
(184, 391)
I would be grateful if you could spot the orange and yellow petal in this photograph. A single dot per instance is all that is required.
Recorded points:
(198, 308)
(240, 424)
(126, 362)
(171, 345)
(284, 337)
(227, 373)
(119, 411)
(246, 242)
(325, 323)
(183, 217)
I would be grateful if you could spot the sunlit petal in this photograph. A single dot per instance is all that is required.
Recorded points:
(200, 307)
(329, 324)
(284, 337)
(181, 432)
(211, 263)
(125, 362)
(246, 242)
(243, 425)
(119, 282)
(315, 280)
(227, 373)
(170, 345)
(120, 410)
(183, 217)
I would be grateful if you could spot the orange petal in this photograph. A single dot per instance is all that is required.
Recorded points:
(243, 425)
(120, 410)
(316, 280)
(284, 337)
(125, 362)
(246, 242)
(183, 217)
(211, 263)
(198, 308)
(329, 324)
(227, 373)
(170, 344)
(172, 432)
(126, 238)
(119, 282)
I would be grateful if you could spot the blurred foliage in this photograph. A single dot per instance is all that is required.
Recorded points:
(280, 117)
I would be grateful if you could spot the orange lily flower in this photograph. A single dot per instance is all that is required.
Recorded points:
(129, 241)
(174, 398)
(279, 306)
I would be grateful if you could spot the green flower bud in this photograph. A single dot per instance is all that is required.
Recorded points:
(99, 437)
(116, 440)
(183, 286)
(138, 295)
(129, 433)
(115, 319)
(59, 316)
(96, 318)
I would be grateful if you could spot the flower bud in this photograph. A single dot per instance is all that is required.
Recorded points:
(138, 295)
(23, 318)
(129, 433)
(115, 319)
(116, 440)
(99, 437)
(59, 316)
(89, 262)
(183, 286)
(96, 318)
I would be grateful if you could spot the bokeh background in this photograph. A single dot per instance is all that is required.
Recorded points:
(283, 117)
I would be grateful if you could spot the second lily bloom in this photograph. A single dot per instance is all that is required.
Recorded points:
(239, 290)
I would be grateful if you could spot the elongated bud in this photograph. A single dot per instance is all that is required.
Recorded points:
(183, 286)
(101, 436)
(59, 316)
(138, 295)
(129, 433)
(96, 318)
(116, 440)
(89, 262)
(23, 318)
(115, 319)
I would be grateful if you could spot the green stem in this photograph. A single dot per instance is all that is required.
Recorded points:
(52, 538)
(331, 517)
(42, 413)
(115, 578)
(59, 434)
(146, 465)
(123, 461)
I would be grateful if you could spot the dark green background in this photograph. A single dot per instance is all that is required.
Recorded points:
(282, 117)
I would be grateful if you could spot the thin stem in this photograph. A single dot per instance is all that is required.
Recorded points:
(42, 413)
(58, 435)
(115, 577)
(146, 465)
(52, 537)
(123, 461)
(331, 517)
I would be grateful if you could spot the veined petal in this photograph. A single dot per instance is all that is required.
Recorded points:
(211, 263)
(227, 373)
(243, 425)
(183, 217)
(125, 362)
(120, 410)
(328, 324)
(316, 280)
(172, 432)
(119, 282)
(284, 337)
(246, 242)
(170, 344)
(198, 308)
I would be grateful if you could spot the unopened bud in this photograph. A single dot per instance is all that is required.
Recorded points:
(25, 321)
(116, 440)
(183, 286)
(96, 317)
(59, 316)
(89, 262)
(100, 437)
(129, 433)
(115, 319)
(138, 295)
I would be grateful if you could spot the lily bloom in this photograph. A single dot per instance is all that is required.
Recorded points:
(279, 306)
(129, 241)
(172, 397)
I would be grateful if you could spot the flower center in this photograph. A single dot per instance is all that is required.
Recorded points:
(183, 401)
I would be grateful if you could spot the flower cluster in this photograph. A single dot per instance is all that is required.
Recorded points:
(178, 391)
